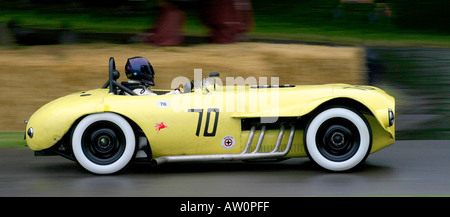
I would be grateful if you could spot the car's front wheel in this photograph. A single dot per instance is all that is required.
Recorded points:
(103, 143)
(338, 139)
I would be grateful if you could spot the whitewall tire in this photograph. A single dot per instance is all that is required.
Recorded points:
(103, 143)
(338, 139)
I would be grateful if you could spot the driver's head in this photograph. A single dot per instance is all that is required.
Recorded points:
(140, 69)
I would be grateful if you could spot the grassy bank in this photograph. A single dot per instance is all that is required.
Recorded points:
(12, 140)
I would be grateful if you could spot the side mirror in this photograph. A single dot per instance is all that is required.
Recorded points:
(214, 74)
(115, 75)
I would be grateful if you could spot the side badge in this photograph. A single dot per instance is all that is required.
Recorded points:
(160, 126)
(228, 142)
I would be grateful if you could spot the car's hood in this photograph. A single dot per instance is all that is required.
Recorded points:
(54, 119)
(302, 99)
(283, 101)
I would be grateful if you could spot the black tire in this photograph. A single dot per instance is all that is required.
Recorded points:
(103, 143)
(338, 139)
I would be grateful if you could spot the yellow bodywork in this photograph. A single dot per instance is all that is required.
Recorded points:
(221, 109)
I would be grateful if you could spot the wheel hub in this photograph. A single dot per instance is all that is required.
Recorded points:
(337, 139)
(102, 141)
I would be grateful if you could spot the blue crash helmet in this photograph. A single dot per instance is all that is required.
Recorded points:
(140, 69)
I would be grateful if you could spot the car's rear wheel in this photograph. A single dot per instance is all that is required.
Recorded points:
(103, 143)
(338, 139)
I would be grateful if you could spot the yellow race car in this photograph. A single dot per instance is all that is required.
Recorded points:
(337, 125)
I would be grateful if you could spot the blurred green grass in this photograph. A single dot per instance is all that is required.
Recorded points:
(12, 140)
(297, 20)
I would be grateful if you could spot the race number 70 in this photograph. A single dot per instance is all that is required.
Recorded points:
(208, 118)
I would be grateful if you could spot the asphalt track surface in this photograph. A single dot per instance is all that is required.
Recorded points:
(407, 168)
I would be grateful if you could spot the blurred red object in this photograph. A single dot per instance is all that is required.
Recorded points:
(167, 30)
(226, 19)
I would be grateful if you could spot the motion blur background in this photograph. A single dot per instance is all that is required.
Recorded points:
(50, 48)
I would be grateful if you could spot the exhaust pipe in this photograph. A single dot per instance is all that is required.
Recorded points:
(242, 156)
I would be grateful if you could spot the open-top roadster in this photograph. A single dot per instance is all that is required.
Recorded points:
(337, 125)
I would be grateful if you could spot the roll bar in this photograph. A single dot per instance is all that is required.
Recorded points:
(113, 85)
